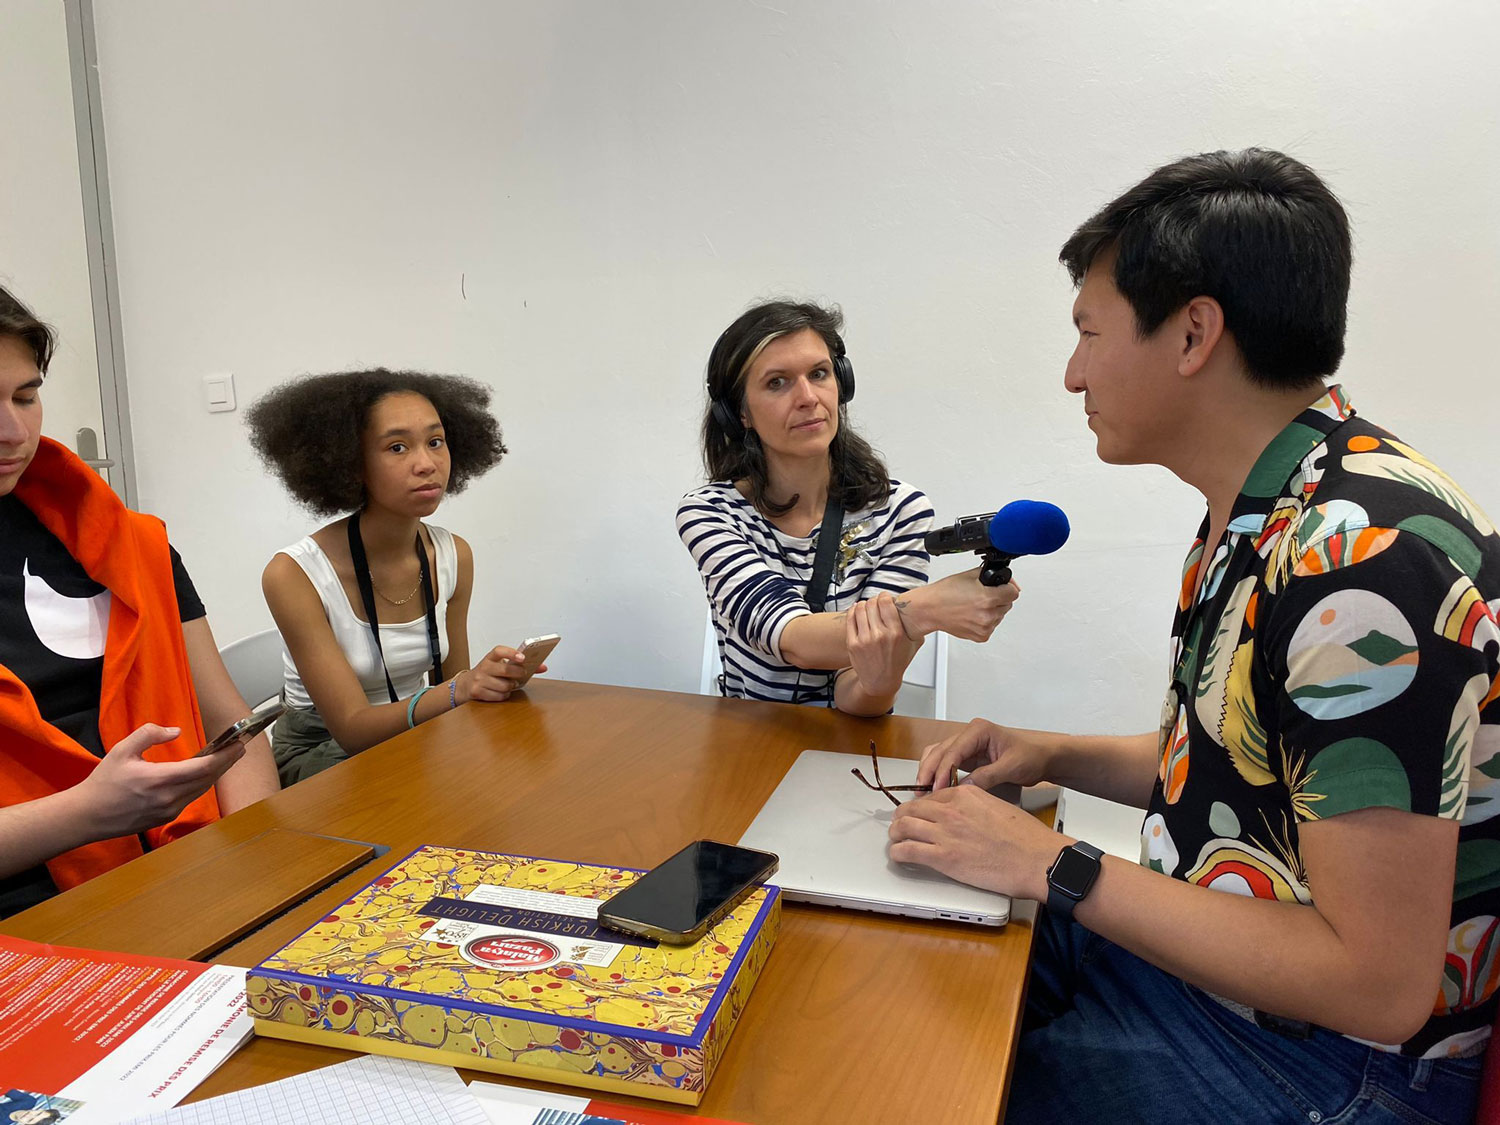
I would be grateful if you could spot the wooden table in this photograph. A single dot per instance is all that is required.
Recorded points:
(857, 1017)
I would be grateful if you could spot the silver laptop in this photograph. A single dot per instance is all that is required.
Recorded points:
(831, 834)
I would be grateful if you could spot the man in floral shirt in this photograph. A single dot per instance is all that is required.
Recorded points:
(1328, 747)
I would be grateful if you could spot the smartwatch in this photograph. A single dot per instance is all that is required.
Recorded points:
(1071, 876)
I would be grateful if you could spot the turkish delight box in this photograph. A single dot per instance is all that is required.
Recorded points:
(497, 962)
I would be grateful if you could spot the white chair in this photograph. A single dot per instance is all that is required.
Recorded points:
(708, 684)
(254, 664)
(928, 669)
(1108, 825)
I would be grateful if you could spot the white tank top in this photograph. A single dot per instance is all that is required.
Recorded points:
(407, 656)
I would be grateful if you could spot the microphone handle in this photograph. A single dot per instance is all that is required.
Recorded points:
(996, 569)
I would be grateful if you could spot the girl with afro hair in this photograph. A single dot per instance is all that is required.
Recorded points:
(374, 606)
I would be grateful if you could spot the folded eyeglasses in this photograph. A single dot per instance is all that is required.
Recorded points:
(890, 791)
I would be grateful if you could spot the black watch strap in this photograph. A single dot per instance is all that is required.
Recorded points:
(1061, 899)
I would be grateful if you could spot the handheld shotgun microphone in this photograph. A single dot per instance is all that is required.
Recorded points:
(1022, 527)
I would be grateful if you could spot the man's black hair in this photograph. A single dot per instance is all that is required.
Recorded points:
(1255, 230)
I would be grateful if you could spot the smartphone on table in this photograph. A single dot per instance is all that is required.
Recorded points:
(246, 729)
(531, 654)
(679, 900)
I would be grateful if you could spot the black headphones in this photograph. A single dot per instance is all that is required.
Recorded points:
(843, 374)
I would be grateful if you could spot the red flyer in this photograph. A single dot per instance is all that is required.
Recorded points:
(136, 1031)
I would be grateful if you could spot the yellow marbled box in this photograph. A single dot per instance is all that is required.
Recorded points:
(653, 1021)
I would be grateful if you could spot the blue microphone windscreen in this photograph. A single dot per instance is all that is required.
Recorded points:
(1028, 527)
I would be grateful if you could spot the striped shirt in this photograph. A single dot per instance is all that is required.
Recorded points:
(756, 579)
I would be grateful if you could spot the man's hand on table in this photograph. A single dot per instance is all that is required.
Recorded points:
(969, 835)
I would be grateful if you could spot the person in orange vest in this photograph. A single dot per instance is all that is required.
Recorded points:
(109, 673)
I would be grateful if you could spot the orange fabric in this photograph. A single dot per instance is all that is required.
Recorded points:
(146, 674)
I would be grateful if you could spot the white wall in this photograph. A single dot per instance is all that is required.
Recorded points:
(569, 200)
(43, 249)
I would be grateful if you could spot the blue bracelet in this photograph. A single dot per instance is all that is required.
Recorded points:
(411, 708)
(453, 692)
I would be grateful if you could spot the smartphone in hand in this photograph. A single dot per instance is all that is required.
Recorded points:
(679, 900)
(246, 729)
(531, 654)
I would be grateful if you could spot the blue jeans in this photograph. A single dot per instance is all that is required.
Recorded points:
(1108, 1038)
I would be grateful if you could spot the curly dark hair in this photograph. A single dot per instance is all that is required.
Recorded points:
(857, 475)
(309, 431)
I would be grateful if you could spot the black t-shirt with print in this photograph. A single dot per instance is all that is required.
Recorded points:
(44, 590)
(1340, 653)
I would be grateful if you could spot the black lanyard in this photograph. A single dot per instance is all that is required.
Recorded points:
(367, 594)
(828, 546)
(817, 590)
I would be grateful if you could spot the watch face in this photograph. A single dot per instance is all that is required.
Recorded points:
(1073, 873)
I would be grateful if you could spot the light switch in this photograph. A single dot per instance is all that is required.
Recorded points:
(218, 393)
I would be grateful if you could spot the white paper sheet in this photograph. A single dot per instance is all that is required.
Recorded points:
(159, 1064)
(373, 1090)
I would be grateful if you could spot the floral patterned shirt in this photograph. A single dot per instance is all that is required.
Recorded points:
(1340, 653)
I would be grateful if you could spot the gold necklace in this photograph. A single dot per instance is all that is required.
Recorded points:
(398, 601)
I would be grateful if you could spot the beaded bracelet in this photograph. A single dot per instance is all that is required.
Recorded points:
(411, 708)
(453, 692)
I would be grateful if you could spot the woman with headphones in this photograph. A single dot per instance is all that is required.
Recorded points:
(811, 556)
